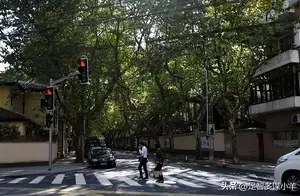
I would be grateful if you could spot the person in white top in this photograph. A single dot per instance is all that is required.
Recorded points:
(143, 160)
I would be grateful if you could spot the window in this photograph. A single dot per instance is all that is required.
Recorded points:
(100, 151)
(286, 135)
(274, 85)
(28, 131)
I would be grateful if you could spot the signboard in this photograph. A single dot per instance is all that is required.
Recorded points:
(204, 142)
(286, 143)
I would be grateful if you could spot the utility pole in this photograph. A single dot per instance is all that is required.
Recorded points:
(50, 138)
(83, 134)
(208, 132)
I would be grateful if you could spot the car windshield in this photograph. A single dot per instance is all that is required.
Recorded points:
(94, 144)
(100, 151)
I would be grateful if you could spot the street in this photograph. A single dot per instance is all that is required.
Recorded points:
(180, 179)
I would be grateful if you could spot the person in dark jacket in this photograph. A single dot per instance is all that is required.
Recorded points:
(159, 163)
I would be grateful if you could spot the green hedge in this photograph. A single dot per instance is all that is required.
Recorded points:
(7, 131)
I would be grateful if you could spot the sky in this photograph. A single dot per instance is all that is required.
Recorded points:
(2, 65)
(2, 45)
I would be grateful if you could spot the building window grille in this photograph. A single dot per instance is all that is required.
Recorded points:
(276, 84)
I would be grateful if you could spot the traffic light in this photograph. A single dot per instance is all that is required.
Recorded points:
(49, 119)
(83, 70)
(49, 98)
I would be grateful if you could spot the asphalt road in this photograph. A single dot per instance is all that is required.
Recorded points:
(180, 179)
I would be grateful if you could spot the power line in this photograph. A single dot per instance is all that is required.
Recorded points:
(130, 17)
(185, 37)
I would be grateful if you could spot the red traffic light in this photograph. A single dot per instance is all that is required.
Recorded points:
(81, 63)
(48, 91)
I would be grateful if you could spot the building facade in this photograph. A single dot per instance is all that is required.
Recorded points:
(21, 105)
(275, 93)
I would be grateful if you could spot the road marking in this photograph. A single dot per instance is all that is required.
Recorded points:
(103, 180)
(1, 179)
(157, 183)
(37, 180)
(79, 178)
(186, 183)
(237, 179)
(58, 179)
(129, 181)
(201, 180)
(260, 177)
(15, 181)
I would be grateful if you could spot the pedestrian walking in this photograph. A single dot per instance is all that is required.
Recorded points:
(159, 163)
(143, 160)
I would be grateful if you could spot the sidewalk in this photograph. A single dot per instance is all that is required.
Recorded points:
(267, 168)
(61, 166)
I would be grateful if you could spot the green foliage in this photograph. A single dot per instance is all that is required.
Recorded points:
(7, 131)
(147, 58)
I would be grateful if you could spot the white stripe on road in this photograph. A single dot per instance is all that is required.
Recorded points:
(157, 183)
(37, 180)
(186, 183)
(103, 180)
(1, 179)
(237, 179)
(260, 177)
(58, 179)
(79, 179)
(216, 182)
(15, 181)
(129, 181)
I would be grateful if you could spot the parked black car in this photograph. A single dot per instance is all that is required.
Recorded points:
(101, 156)
(92, 142)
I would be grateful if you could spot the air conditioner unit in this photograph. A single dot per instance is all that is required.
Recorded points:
(295, 118)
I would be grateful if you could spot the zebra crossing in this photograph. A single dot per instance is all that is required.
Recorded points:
(189, 179)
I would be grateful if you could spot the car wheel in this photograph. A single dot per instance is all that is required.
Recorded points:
(291, 181)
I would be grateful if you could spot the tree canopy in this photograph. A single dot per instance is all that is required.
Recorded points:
(147, 58)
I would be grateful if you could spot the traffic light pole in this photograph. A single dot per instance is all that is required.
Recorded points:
(50, 139)
(82, 140)
(210, 136)
(52, 83)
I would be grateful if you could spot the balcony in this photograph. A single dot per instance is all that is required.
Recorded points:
(291, 3)
(287, 57)
(276, 105)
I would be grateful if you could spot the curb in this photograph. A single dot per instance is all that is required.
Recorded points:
(40, 173)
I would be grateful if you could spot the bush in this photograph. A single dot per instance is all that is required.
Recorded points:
(7, 131)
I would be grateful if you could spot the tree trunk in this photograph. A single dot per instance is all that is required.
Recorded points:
(235, 158)
(79, 150)
(157, 139)
(171, 139)
(197, 132)
(78, 136)
(198, 144)
(137, 143)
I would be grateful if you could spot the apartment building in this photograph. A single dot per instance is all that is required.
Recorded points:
(275, 94)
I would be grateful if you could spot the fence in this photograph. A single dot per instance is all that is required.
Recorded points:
(26, 152)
